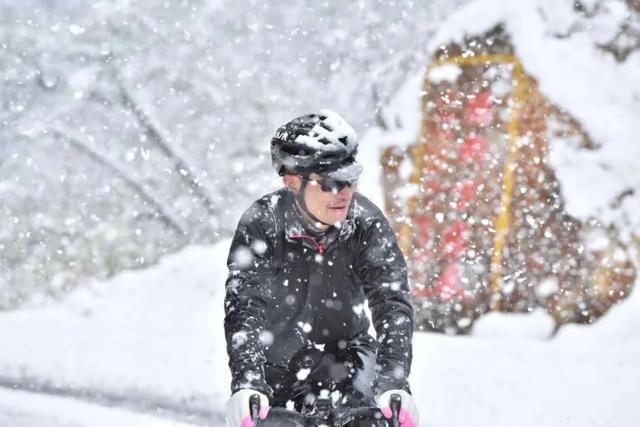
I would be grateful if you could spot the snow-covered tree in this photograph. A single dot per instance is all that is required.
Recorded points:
(130, 129)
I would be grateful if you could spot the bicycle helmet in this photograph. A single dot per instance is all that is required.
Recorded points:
(321, 143)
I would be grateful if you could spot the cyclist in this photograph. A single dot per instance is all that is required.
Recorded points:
(303, 261)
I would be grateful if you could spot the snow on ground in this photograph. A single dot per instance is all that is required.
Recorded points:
(24, 409)
(157, 334)
(467, 381)
(536, 325)
(153, 335)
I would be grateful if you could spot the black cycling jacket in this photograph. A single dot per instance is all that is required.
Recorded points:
(289, 292)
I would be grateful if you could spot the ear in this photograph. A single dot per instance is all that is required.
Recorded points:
(292, 182)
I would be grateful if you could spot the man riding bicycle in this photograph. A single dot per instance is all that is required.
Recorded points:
(303, 261)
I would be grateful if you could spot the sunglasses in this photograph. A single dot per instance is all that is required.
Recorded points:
(332, 185)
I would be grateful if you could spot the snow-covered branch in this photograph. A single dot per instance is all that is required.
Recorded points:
(185, 168)
(164, 213)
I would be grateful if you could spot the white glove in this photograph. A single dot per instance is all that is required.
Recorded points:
(238, 411)
(409, 416)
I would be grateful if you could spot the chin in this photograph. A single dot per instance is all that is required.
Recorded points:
(335, 218)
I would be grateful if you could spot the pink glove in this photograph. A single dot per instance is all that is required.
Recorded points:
(238, 410)
(409, 416)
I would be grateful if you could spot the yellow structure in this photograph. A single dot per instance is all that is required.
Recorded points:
(502, 221)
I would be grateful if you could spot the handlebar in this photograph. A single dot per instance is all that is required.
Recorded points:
(314, 416)
(395, 402)
(254, 406)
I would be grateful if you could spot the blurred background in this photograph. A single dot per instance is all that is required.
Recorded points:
(131, 129)
(500, 139)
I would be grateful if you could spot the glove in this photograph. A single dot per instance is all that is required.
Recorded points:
(409, 416)
(238, 410)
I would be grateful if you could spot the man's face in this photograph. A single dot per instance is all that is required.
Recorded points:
(328, 206)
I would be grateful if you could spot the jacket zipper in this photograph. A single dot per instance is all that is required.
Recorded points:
(318, 246)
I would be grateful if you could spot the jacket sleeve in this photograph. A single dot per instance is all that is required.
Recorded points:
(247, 293)
(383, 271)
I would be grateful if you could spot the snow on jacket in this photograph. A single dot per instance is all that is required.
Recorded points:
(288, 292)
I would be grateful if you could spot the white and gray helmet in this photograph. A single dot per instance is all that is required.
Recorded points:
(323, 143)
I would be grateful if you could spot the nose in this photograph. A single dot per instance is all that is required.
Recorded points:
(346, 192)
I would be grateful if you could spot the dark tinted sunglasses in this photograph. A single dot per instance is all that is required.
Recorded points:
(332, 185)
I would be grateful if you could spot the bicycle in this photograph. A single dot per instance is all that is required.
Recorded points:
(322, 413)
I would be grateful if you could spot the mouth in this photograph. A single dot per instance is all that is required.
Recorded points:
(338, 209)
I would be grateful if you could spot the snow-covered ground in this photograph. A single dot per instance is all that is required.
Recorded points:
(152, 341)
(24, 409)
(151, 338)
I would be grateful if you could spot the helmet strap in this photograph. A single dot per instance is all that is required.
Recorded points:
(299, 196)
